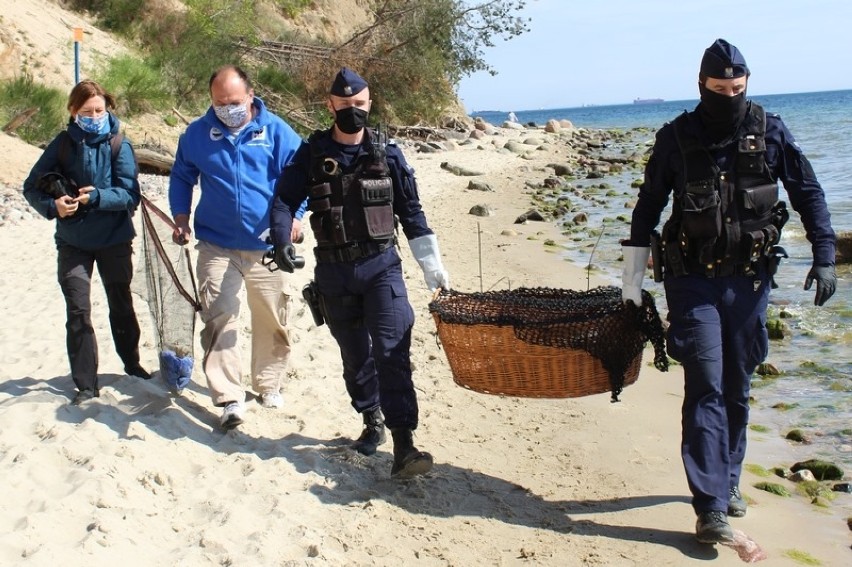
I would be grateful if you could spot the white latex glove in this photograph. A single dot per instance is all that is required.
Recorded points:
(635, 264)
(428, 255)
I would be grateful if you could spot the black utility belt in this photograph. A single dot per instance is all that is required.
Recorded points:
(722, 269)
(352, 252)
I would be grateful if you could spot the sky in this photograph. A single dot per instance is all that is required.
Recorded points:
(583, 52)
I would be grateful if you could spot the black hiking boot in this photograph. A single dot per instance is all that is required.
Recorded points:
(408, 462)
(137, 371)
(713, 527)
(737, 505)
(373, 434)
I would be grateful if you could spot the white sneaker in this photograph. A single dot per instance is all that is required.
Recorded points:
(271, 400)
(232, 416)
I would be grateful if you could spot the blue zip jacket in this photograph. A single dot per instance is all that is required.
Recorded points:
(87, 160)
(237, 176)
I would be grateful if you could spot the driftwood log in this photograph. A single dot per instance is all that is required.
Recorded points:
(425, 133)
(19, 119)
(183, 118)
(153, 162)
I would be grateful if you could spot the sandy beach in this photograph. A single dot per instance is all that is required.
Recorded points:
(141, 477)
(146, 478)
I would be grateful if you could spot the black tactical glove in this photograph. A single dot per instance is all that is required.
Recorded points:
(285, 258)
(826, 281)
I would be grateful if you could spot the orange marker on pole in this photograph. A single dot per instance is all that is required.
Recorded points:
(78, 39)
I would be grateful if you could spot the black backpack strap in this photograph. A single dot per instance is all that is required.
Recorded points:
(115, 145)
(64, 149)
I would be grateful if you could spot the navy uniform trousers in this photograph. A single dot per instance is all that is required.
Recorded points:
(369, 315)
(718, 333)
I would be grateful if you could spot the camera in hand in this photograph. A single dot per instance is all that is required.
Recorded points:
(285, 258)
(56, 185)
(298, 262)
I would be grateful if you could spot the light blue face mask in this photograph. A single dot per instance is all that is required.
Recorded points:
(93, 125)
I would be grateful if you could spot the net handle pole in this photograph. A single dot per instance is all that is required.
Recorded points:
(147, 206)
(479, 251)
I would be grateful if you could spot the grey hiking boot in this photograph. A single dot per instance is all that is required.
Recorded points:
(713, 527)
(373, 434)
(737, 505)
(408, 462)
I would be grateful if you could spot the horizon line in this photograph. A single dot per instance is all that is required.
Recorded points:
(630, 103)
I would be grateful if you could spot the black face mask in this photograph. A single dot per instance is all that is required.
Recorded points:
(350, 120)
(721, 114)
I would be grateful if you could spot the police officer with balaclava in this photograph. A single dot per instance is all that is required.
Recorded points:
(358, 185)
(718, 251)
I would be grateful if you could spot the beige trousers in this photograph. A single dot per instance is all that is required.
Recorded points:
(221, 274)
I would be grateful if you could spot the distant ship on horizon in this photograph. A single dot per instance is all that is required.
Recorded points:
(647, 100)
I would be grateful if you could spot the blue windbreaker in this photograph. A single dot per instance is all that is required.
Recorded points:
(87, 159)
(237, 176)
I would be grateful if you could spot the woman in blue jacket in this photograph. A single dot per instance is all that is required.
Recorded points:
(92, 194)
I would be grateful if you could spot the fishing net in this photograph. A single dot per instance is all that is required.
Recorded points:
(164, 278)
(542, 342)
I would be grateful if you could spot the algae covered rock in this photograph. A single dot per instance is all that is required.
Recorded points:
(778, 329)
(823, 470)
(773, 488)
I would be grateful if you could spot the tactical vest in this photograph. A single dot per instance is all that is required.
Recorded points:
(725, 220)
(351, 208)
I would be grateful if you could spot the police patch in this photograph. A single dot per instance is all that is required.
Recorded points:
(729, 72)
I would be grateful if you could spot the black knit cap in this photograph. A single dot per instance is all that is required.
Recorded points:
(723, 61)
(347, 83)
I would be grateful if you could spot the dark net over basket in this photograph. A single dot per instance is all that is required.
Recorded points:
(595, 323)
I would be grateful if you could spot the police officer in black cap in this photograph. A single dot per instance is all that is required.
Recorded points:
(358, 185)
(722, 162)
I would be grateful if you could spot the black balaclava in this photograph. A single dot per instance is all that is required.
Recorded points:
(722, 114)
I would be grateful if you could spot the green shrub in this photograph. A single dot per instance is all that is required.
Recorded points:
(274, 79)
(22, 93)
(292, 8)
(115, 15)
(137, 86)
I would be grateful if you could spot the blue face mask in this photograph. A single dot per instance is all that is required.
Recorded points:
(93, 125)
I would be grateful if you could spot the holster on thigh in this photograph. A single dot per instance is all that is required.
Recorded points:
(343, 310)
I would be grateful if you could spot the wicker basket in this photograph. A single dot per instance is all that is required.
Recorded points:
(491, 359)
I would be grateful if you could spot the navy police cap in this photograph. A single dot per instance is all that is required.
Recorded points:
(723, 61)
(347, 83)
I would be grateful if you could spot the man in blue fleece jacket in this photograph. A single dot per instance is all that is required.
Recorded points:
(237, 151)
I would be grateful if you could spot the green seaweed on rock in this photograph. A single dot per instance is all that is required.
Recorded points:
(773, 488)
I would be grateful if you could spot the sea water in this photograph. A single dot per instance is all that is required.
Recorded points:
(816, 361)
